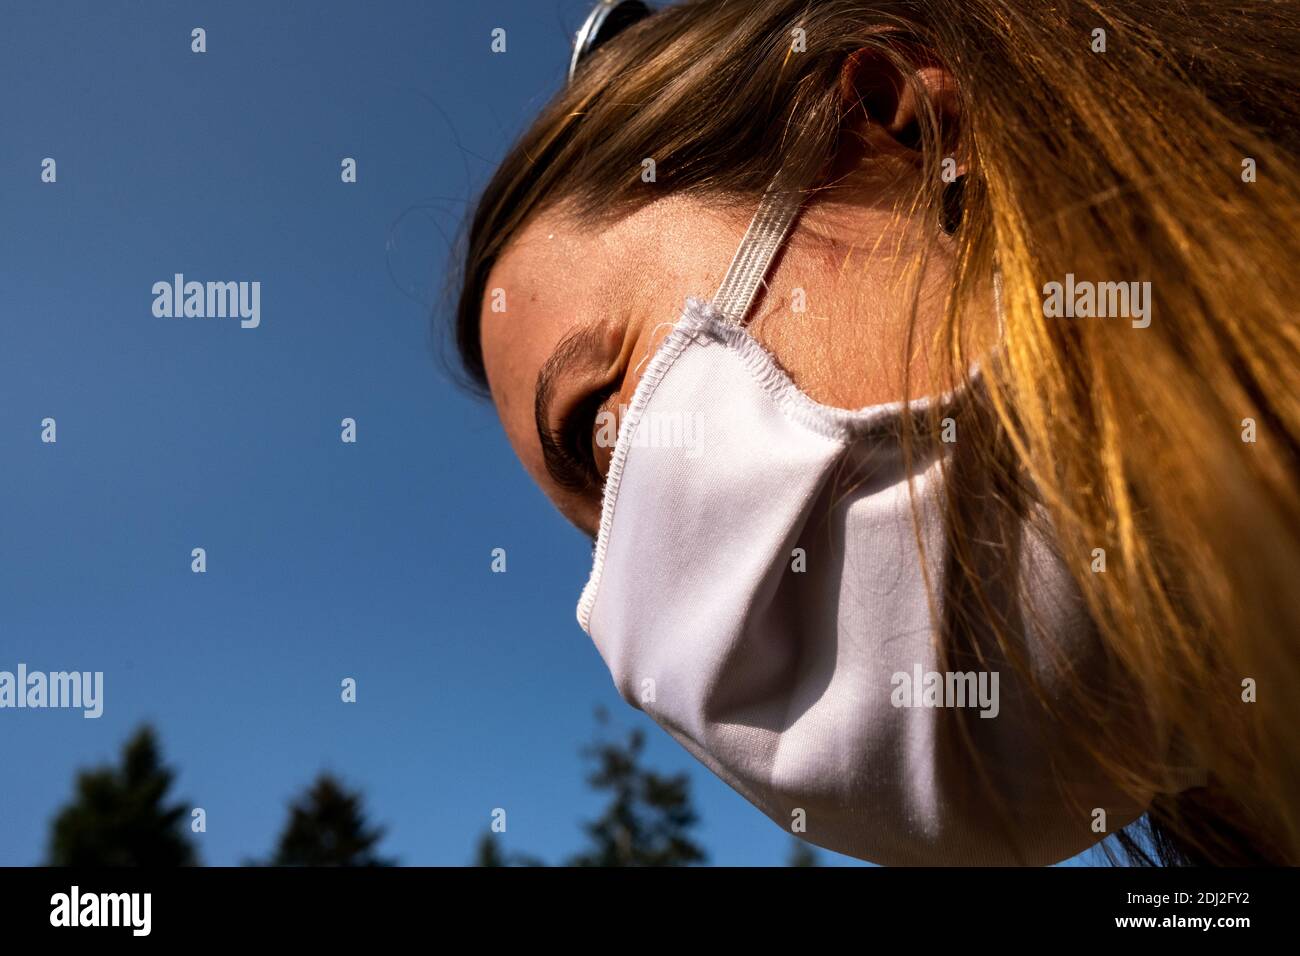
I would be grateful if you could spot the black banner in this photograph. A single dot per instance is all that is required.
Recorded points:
(545, 904)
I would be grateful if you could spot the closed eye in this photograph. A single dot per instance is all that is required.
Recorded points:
(577, 434)
(567, 443)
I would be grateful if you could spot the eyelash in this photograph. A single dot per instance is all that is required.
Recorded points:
(576, 431)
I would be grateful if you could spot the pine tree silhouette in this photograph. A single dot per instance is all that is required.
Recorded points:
(650, 816)
(118, 816)
(327, 827)
(488, 853)
(802, 854)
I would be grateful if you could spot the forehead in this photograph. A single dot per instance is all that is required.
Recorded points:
(522, 313)
(556, 274)
(550, 279)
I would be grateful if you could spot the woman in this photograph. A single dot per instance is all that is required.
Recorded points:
(963, 524)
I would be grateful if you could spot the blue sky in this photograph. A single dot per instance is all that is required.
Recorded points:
(325, 560)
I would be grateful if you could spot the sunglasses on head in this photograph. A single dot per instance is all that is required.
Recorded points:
(607, 20)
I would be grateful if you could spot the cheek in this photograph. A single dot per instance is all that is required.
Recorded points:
(608, 418)
(610, 414)
(643, 350)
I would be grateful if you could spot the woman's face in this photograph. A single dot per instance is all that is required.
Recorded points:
(579, 313)
(582, 311)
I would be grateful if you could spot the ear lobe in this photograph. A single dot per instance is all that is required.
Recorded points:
(890, 103)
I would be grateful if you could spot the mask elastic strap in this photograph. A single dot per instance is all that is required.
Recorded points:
(776, 212)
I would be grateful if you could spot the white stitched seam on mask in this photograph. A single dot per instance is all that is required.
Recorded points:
(826, 420)
(667, 353)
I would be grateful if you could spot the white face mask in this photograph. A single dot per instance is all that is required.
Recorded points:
(757, 589)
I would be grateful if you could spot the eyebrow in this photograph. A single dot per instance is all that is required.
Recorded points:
(564, 468)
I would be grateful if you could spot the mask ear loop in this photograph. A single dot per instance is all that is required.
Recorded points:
(766, 234)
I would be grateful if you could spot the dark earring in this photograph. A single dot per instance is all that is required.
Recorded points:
(954, 196)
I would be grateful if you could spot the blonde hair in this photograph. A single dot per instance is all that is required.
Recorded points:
(1120, 165)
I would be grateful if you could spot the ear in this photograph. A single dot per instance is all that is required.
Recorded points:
(889, 96)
